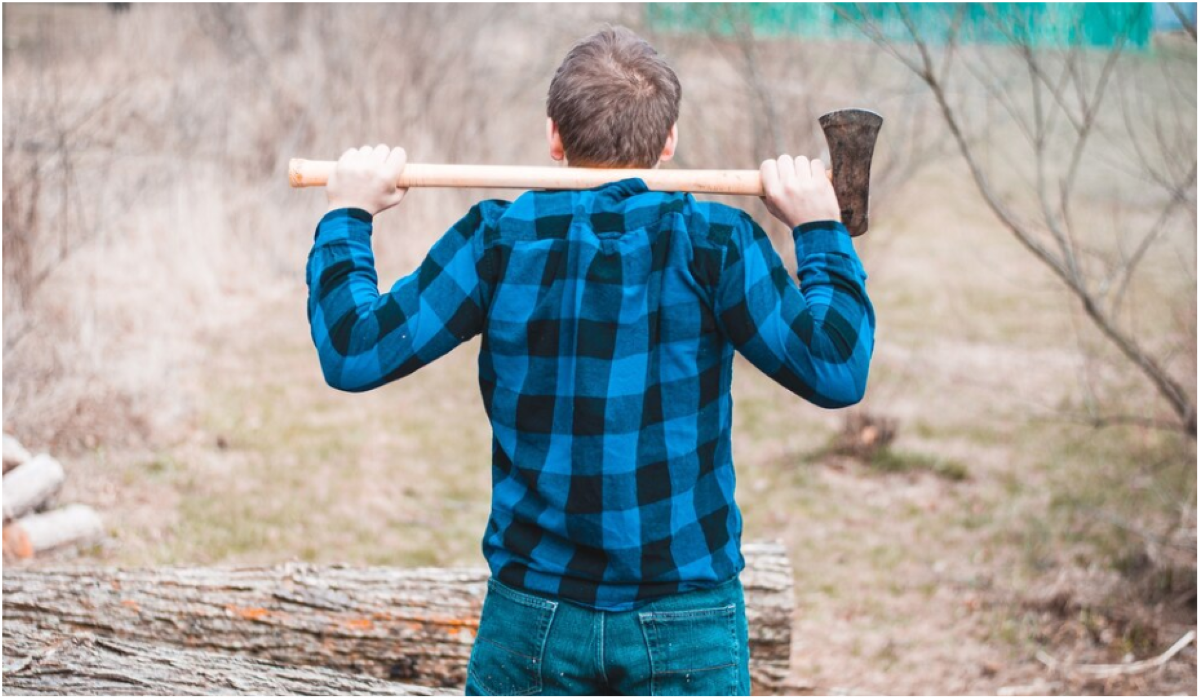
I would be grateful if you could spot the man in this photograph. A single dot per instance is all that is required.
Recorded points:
(609, 320)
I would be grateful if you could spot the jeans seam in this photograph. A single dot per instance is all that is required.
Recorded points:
(699, 669)
(671, 615)
(737, 653)
(600, 649)
(545, 634)
(506, 648)
(651, 638)
(521, 597)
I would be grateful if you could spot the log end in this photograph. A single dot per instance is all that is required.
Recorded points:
(16, 542)
(14, 453)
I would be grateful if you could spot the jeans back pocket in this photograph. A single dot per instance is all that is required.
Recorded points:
(692, 652)
(507, 656)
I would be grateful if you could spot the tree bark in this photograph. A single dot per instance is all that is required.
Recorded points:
(414, 625)
(41, 662)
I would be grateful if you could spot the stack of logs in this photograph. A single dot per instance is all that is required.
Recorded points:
(32, 524)
(294, 628)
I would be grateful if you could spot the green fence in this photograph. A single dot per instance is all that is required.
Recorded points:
(1097, 25)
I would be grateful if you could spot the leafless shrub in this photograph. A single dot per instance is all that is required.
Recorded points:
(864, 434)
(1085, 120)
(144, 198)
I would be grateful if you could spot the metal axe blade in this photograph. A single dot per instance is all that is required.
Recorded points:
(851, 134)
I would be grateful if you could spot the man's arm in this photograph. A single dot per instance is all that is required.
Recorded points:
(816, 340)
(364, 338)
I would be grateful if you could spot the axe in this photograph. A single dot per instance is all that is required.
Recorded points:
(850, 133)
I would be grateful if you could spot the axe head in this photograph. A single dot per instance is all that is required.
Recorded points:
(851, 135)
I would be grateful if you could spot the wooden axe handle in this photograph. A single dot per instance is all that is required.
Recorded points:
(315, 173)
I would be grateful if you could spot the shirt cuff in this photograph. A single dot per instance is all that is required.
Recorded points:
(343, 223)
(817, 237)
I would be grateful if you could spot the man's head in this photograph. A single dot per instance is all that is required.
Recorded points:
(613, 103)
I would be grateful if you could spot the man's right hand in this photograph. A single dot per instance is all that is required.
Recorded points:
(365, 178)
(798, 192)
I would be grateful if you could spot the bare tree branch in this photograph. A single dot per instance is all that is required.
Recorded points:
(1054, 195)
(1188, 25)
(1125, 271)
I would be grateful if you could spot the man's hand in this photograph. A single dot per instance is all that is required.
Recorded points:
(798, 192)
(365, 178)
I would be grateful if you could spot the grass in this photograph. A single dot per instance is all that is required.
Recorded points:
(890, 460)
(399, 477)
(1100, 480)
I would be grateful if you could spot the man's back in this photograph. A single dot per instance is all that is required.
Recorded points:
(607, 384)
(609, 320)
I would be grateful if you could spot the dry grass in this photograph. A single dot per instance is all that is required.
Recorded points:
(166, 354)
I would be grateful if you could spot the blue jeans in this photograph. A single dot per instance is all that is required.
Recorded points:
(691, 643)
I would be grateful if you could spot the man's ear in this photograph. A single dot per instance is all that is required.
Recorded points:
(668, 150)
(555, 140)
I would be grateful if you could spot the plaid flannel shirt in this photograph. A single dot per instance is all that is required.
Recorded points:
(609, 319)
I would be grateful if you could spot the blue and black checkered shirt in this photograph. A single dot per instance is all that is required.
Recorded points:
(609, 319)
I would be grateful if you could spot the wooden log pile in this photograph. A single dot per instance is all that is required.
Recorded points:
(395, 625)
(33, 525)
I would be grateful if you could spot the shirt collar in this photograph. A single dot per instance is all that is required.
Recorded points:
(620, 189)
(628, 186)
(617, 188)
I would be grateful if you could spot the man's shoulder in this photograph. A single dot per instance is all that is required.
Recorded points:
(482, 218)
(489, 211)
(715, 222)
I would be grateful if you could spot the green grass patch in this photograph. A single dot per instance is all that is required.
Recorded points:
(889, 460)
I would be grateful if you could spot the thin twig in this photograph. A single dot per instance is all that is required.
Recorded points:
(1189, 25)
(1106, 671)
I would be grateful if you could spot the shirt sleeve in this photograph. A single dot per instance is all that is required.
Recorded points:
(365, 339)
(815, 339)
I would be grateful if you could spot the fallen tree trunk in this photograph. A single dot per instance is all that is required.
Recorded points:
(41, 662)
(415, 625)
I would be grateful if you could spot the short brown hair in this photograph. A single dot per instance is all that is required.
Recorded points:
(614, 100)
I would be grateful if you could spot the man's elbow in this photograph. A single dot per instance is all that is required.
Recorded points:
(839, 398)
(844, 383)
(333, 368)
(842, 388)
(832, 387)
(334, 380)
(347, 387)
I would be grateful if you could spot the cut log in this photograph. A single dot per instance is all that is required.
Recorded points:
(31, 484)
(414, 625)
(14, 454)
(66, 526)
(41, 662)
